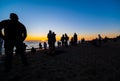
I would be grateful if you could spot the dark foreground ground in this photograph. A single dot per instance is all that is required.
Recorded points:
(74, 63)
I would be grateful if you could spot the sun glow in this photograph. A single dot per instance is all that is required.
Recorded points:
(36, 38)
(87, 37)
(44, 38)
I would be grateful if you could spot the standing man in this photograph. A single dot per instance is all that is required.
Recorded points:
(13, 33)
(75, 39)
(49, 36)
(99, 40)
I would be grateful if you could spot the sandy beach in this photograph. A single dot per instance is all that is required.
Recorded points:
(83, 62)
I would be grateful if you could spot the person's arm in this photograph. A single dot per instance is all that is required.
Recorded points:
(24, 32)
(1, 27)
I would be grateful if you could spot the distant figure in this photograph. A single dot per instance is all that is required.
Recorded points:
(33, 50)
(66, 40)
(1, 43)
(45, 45)
(72, 41)
(59, 44)
(51, 41)
(75, 39)
(82, 40)
(105, 40)
(49, 36)
(99, 40)
(63, 40)
(40, 45)
(13, 34)
(94, 42)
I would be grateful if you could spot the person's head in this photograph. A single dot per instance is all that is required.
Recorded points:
(65, 34)
(50, 31)
(53, 32)
(14, 16)
(99, 35)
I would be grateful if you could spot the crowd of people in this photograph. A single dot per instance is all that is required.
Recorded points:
(13, 33)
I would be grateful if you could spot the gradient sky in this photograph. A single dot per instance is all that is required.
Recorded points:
(87, 18)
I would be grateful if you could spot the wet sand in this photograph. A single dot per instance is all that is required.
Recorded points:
(84, 62)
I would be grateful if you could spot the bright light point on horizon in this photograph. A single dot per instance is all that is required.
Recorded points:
(87, 18)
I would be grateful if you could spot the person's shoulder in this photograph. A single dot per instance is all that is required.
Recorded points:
(5, 20)
(21, 24)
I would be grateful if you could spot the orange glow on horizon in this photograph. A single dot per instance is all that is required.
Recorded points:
(87, 37)
(36, 38)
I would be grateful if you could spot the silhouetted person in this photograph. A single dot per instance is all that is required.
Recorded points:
(63, 40)
(72, 41)
(82, 40)
(59, 44)
(40, 45)
(99, 40)
(105, 40)
(53, 41)
(75, 39)
(33, 50)
(14, 33)
(94, 42)
(49, 36)
(45, 45)
(66, 40)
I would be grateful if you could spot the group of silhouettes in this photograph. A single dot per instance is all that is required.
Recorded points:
(51, 41)
(44, 45)
(64, 40)
(13, 33)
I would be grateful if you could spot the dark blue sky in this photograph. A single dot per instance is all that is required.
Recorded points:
(85, 17)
